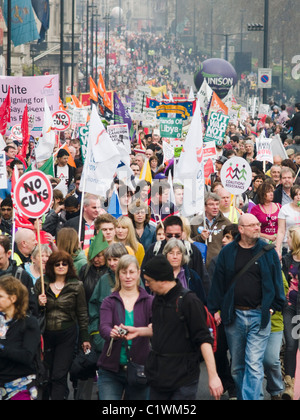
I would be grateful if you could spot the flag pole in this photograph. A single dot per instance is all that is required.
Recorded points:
(85, 171)
(13, 232)
(40, 256)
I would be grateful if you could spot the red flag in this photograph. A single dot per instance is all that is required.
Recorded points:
(25, 133)
(208, 168)
(5, 113)
(21, 221)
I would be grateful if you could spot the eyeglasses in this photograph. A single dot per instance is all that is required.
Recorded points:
(175, 235)
(253, 225)
(61, 264)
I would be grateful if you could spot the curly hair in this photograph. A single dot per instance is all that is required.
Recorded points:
(56, 257)
(13, 287)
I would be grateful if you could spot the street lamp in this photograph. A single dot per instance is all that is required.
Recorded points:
(257, 27)
(107, 19)
(8, 71)
(62, 23)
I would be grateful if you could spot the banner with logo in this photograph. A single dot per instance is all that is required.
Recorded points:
(31, 91)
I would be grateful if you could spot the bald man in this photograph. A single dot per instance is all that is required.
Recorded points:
(247, 303)
(229, 211)
(25, 242)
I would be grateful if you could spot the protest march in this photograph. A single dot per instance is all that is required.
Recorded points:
(149, 231)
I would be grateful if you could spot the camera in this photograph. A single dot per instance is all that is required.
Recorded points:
(122, 332)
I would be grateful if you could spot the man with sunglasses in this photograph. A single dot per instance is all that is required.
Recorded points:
(247, 302)
(173, 228)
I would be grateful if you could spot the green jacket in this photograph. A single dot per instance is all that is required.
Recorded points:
(67, 308)
(79, 260)
(277, 324)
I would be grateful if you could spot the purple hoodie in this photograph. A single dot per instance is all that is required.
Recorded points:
(109, 318)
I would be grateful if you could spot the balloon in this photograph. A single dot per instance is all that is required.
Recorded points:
(219, 74)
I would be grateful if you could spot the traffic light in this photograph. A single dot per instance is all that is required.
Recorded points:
(255, 27)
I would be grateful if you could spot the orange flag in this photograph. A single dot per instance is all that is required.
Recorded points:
(71, 161)
(93, 91)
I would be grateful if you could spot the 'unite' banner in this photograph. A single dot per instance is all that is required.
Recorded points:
(31, 91)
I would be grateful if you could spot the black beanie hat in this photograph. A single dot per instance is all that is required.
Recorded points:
(159, 269)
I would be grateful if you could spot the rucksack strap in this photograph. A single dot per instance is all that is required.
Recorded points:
(263, 251)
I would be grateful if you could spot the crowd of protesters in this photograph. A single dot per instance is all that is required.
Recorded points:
(113, 293)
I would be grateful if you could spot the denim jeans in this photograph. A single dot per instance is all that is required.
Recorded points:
(112, 386)
(184, 393)
(272, 364)
(247, 343)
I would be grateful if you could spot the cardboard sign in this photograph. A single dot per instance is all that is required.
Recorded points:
(216, 128)
(236, 175)
(171, 128)
(3, 173)
(264, 150)
(61, 121)
(16, 132)
(119, 134)
(33, 194)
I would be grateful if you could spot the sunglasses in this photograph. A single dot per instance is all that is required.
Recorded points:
(59, 264)
(170, 235)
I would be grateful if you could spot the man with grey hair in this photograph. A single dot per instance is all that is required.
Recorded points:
(209, 229)
(282, 194)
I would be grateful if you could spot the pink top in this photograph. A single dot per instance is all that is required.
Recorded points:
(269, 222)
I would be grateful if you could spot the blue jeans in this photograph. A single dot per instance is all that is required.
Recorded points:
(247, 343)
(184, 393)
(111, 386)
(272, 364)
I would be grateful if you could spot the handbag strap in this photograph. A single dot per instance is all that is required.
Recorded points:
(265, 249)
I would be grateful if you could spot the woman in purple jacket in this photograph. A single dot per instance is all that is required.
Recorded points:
(130, 305)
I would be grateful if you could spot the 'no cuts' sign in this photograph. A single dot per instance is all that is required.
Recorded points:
(61, 121)
(33, 194)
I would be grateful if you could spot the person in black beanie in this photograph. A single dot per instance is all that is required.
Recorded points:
(178, 339)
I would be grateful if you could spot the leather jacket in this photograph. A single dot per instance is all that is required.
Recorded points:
(66, 309)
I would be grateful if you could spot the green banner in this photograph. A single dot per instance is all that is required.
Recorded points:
(84, 132)
(216, 128)
(171, 128)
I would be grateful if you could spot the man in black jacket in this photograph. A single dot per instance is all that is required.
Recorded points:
(295, 121)
(10, 268)
(178, 337)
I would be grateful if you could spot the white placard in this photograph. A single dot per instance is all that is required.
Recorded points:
(236, 175)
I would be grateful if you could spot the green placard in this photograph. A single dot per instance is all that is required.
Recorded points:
(216, 128)
(171, 128)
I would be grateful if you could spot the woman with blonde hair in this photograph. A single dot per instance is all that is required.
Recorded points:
(34, 267)
(128, 305)
(125, 233)
(67, 240)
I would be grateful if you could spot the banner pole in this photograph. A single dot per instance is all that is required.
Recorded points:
(40, 256)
